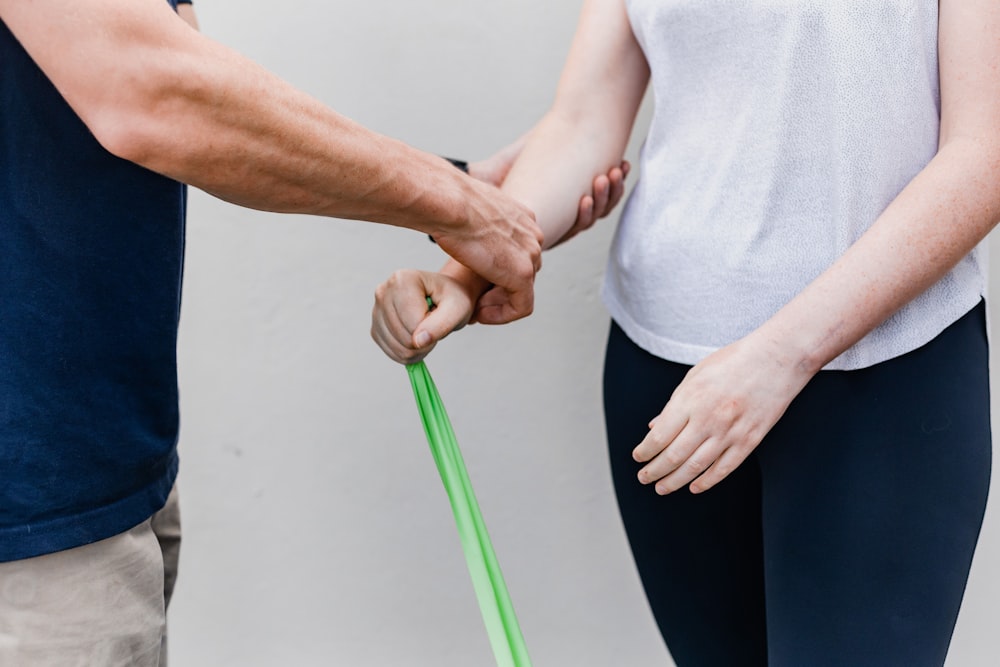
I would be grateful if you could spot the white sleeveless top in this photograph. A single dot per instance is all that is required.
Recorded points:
(781, 130)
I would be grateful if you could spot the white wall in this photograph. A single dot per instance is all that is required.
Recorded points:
(316, 528)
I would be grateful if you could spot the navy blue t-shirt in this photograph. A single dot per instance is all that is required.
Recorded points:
(91, 251)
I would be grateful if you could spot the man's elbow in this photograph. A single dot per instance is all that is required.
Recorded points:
(140, 124)
(123, 133)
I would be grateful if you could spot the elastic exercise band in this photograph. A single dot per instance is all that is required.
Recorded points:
(494, 601)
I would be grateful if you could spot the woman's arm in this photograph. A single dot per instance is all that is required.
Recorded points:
(606, 189)
(590, 121)
(729, 401)
(584, 132)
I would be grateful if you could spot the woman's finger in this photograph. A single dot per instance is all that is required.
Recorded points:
(730, 460)
(696, 463)
(675, 454)
(602, 191)
(662, 430)
(389, 343)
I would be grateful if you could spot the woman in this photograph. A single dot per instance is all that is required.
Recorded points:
(796, 290)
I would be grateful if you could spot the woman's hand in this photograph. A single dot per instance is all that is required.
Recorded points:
(719, 414)
(402, 323)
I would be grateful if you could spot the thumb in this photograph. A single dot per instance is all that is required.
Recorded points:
(500, 306)
(450, 311)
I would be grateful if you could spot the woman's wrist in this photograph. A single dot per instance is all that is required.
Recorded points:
(467, 278)
(788, 348)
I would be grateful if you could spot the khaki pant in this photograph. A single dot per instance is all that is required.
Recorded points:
(99, 605)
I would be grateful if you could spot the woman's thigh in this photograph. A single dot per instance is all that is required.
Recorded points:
(874, 487)
(699, 557)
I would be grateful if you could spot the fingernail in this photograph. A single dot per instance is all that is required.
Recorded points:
(422, 339)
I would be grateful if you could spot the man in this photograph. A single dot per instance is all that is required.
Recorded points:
(106, 107)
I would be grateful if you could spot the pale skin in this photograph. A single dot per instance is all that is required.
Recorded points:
(186, 12)
(729, 401)
(606, 189)
(156, 92)
(580, 135)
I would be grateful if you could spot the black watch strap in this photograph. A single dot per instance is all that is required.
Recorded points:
(460, 164)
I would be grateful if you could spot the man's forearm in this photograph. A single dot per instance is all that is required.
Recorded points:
(163, 96)
(159, 94)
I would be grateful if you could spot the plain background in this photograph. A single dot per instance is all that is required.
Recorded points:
(316, 528)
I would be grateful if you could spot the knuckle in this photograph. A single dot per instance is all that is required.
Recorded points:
(401, 276)
(526, 273)
(673, 460)
(722, 470)
(395, 278)
(728, 410)
(696, 463)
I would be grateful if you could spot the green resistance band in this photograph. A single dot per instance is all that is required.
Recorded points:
(494, 600)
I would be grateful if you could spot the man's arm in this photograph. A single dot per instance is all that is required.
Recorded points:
(157, 93)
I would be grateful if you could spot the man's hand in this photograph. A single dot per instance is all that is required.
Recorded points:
(500, 242)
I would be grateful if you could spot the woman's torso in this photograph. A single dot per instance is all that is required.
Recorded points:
(781, 130)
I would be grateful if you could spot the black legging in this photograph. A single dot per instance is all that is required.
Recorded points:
(845, 540)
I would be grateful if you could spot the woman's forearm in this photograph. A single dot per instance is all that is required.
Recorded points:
(553, 171)
(935, 221)
(948, 208)
(588, 127)
(557, 167)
